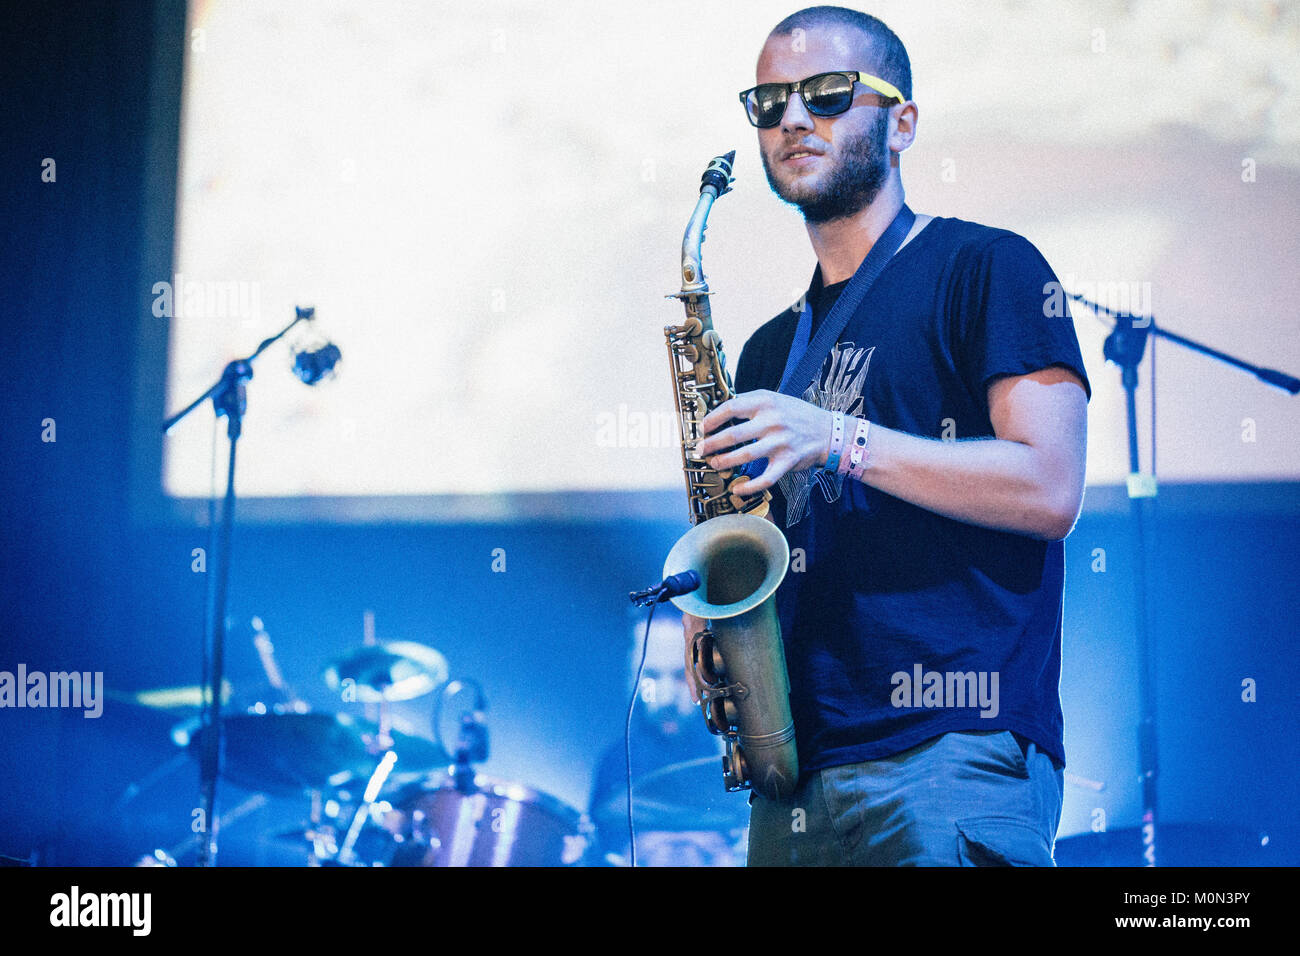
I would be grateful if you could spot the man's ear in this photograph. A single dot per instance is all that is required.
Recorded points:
(902, 126)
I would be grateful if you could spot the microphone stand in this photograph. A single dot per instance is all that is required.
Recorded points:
(229, 398)
(1124, 347)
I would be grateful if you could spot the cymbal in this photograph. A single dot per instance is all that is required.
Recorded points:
(393, 671)
(686, 795)
(170, 698)
(290, 753)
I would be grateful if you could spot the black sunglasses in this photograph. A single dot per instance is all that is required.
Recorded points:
(826, 94)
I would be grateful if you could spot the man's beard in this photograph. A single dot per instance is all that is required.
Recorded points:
(852, 185)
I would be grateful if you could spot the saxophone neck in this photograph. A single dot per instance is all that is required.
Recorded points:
(693, 281)
(715, 182)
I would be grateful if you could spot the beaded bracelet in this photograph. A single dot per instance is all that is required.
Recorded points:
(837, 443)
(854, 464)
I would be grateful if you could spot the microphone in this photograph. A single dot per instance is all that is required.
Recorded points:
(672, 586)
(314, 366)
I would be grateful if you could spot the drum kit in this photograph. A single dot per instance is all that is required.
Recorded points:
(379, 796)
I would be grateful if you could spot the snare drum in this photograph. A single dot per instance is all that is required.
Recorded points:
(490, 823)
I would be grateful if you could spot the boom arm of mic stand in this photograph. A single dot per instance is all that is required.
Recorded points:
(1147, 324)
(300, 314)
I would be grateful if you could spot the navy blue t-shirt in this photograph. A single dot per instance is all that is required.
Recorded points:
(901, 624)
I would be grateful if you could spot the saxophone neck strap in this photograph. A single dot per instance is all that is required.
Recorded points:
(806, 356)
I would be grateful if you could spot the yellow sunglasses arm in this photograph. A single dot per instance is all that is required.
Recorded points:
(881, 86)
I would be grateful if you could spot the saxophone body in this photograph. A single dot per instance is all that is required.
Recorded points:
(740, 556)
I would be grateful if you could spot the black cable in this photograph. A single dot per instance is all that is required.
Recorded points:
(627, 732)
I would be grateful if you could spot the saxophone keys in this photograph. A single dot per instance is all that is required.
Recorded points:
(737, 502)
(719, 712)
(735, 768)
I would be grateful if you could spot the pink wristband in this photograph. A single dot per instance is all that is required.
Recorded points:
(854, 460)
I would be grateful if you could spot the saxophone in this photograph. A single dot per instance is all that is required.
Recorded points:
(740, 556)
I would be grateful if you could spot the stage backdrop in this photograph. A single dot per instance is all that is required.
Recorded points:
(485, 206)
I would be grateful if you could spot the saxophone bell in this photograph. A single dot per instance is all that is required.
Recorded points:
(739, 659)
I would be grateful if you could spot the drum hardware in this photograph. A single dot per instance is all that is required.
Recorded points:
(252, 803)
(379, 829)
(346, 854)
(271, 667)
(472, 736)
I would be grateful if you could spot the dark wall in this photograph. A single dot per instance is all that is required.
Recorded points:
(75, 81)
(85, 588)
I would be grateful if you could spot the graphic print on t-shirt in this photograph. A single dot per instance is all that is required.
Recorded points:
(840, 390)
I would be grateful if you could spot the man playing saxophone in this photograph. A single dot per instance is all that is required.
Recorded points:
(926, 463)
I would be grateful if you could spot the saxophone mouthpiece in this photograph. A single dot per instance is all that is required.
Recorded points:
(718, 175)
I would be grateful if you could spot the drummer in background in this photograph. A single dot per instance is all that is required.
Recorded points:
(676, 770)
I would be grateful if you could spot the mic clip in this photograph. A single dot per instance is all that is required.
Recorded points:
(670, 587)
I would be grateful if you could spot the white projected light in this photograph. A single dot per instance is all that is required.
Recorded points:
(485, 205)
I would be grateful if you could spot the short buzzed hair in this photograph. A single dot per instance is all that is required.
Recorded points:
(891, 56)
